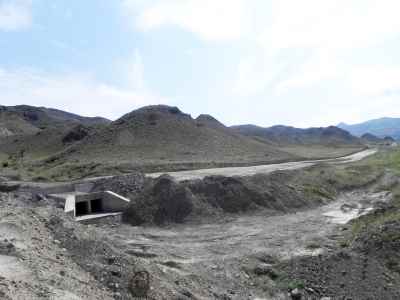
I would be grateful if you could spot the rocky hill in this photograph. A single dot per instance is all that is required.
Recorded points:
(157, 138)
(379, 127)
(39, 132)
(286, 135)
(370, 138)
(164, 134)
(24, 119)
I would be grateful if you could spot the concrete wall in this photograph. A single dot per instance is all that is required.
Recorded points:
(111, 202)
(114, 202)
(108, 202)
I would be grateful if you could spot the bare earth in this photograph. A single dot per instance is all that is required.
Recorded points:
(209, 260)
(217, 255)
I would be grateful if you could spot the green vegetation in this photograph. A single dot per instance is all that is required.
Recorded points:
(389, 162)
(373, 221)
(289, 284)
(311, 191)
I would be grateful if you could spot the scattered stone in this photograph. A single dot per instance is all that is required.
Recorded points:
(296, 294)
(265, 269)
(139, 284)
(7, 248)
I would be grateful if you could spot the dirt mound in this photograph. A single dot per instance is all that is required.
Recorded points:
(229, 194)
(128, 185)
(277, 192)
(162, 201)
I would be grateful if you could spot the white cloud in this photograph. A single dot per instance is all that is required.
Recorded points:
(333, 24)
(212, 20)
(137, 72)
(328, 29)
(78, 93)
(375, 80)
(276, 24)
(321, 66)
(15, 14)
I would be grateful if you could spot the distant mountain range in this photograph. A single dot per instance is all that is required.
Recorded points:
(384, 127)
(286, 135)
(153, 138)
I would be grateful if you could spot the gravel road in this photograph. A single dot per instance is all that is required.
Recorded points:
(262, 169)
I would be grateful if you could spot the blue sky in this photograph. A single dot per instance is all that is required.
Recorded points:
(302, 63)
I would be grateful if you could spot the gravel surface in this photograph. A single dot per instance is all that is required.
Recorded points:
(262, 169)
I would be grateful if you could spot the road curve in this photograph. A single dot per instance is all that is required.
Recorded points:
(262, 169)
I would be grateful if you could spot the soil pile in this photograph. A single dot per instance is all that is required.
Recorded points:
(128, 185)
(162, 201)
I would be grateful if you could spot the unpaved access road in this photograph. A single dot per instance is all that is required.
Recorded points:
(262, 169)
(217, 255)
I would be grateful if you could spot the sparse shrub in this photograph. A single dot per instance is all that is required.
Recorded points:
(40, 179)
(289, 284)
(313, 246)
(174, 110)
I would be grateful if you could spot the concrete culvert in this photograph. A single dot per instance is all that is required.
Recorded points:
(162, 201)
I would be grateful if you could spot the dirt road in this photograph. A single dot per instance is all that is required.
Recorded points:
(262, 169)
(221, 255)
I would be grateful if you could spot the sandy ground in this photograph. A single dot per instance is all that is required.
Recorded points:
(262, 169)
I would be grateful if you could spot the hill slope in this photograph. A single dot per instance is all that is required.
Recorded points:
(379, 127)
(162, 135)
(62, 146)
(286, 135)
(24, 119)
(39, 131)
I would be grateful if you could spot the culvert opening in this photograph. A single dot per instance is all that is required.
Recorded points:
(97, 206)
(81, 208)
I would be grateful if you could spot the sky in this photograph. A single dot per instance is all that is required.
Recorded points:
(266, 62)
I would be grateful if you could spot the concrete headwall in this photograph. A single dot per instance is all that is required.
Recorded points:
(114, 202)
(111, 202)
